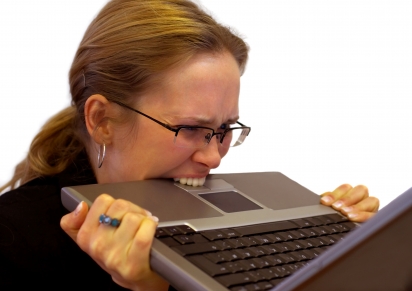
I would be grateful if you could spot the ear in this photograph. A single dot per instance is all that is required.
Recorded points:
(96, 114)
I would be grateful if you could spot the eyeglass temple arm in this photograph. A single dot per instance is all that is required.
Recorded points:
(151, 118)
(250, 129)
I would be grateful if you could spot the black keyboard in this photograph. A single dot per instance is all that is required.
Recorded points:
(256, 257)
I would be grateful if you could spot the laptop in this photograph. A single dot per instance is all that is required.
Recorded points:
(264, 231)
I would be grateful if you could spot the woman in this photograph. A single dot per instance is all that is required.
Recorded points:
(144, 71)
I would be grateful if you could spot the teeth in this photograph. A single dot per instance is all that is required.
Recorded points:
(195, 182)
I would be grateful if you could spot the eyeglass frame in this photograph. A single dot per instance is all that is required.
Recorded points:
(176, 130)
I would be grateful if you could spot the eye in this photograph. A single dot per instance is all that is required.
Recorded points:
(224, 126)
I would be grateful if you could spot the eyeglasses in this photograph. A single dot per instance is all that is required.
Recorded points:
(187, 136)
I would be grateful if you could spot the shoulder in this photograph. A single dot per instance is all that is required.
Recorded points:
(29, 212)
(33, 247)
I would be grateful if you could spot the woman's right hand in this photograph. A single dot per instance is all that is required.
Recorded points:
(121, 251)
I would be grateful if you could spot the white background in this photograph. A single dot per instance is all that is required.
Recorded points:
(327, 89)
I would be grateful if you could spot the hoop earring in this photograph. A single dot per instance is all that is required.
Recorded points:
(101, 155)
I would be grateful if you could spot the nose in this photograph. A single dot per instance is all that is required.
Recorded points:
(210, 155)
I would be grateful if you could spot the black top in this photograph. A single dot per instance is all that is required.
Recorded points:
(34, 250)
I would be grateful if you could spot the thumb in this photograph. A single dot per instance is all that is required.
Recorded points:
(72, 221)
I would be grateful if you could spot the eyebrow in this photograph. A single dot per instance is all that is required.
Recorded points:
(203, 120)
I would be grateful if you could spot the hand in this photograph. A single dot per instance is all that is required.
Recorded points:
(354, 202)
(121, 251)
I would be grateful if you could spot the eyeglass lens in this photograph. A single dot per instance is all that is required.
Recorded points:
(199, 137)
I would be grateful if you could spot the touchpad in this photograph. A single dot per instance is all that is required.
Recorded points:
(230, 201)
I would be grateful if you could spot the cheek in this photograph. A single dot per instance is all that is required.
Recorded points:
(223, 151)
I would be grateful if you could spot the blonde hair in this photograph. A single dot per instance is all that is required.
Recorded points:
(124, 49)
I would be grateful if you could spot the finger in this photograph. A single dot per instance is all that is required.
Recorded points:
(72, 222)
(352, 197)
(126, 232)
(117, 242)
(134, 237)
(369, 204)
(328, 198)
(360, 216)
(91, 223)
(362, 210)
(142, 242)
(120, 207)
(105, 204)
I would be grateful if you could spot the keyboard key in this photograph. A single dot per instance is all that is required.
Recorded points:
(207, 266)
(276, 237)
(320, 230)
(160, 232)
(184, 239)
(253, 287)
(314, 221)
(258, 251)
(302, 222)
(337, 217)
(330, 229)
(238, 288)
(275, 282)
(169, 241)
(218, 257)
(198, 238)
(243, 253)
(309, 232)
(272, 249)
(310, 254)
(287, 235)
(306, 243)
(259, 262)
(230, 233)
(265, 228)
(234, 267)
(238, 242)
(172, 230)
(316, 242)
(251, 241)
(185, 229)
(349, 224)
(299, 234)
(263, 239)
(224, 244)
(236, 279)
(265, 285)
(199, 248)
(213, 234)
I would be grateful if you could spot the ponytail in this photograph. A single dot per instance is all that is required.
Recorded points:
(51, 151)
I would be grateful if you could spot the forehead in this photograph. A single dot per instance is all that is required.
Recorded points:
(206, 87)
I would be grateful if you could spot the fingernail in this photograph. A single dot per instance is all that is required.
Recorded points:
(352, 215)
(78, 209)
(347, 209)
(326, 199)
(338, 204)
(154, 218)
(148, 213)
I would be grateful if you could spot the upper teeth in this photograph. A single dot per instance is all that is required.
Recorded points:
(191, 181)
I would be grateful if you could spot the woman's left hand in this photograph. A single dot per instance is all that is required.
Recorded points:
(354, 202)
